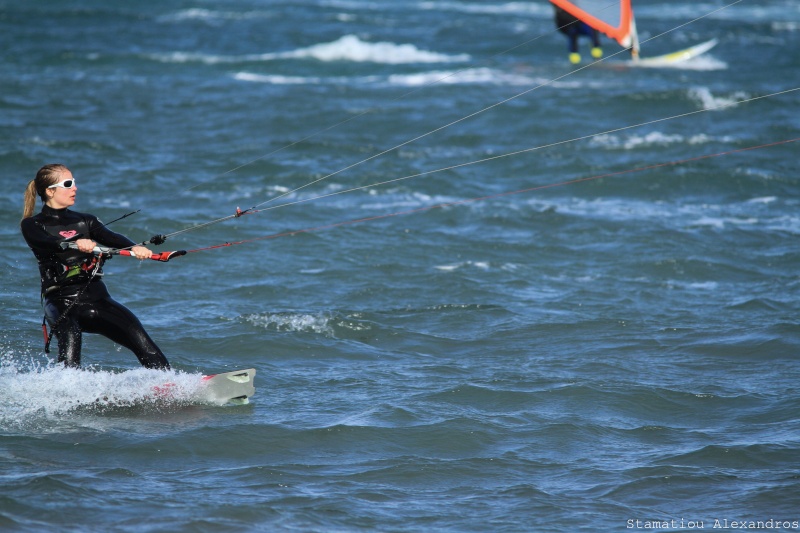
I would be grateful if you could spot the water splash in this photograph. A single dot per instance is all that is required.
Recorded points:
(35, 392)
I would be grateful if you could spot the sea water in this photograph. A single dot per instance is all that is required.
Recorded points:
(570, 305)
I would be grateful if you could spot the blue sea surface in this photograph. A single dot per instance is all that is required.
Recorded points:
(483, 289)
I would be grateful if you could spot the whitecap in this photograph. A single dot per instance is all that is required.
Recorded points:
(351, 48)
(653, 138)
(191, 57)
(460, 77)
(695, 285)
(292, 322)
(762, 200)
(346, 48)
(416, 79)
(213, 17)
(482, 265)
(707, 100)
(276, 79)
(709, 222)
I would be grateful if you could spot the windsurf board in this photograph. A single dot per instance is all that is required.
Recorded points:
(675, 57)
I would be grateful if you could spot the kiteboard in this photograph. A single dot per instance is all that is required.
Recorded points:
(675, 57)
(235, 387)
(229, 387)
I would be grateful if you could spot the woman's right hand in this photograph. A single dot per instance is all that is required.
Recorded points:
(85, 245)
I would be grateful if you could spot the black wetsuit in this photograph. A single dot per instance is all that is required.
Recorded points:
(70, 275)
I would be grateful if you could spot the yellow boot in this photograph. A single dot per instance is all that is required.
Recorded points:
(597, 52)
(574, 58)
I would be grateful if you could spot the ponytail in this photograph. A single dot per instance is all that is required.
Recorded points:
(30, 200)
(47, 175)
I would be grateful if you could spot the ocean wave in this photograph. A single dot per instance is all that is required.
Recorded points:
(320, 323)
(347, 48)
(462, 77)
(480, 265)
(279, 79)
(469, 76)
(330, 325)
(707, 100)
(351, 48)
(721, 222)
(653, 138)
(747, 214)
(214, 17)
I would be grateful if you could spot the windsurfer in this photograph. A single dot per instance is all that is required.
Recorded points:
(573, 29)
(74, 297)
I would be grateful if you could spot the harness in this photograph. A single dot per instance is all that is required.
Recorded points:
(89, 268)
(86, 268)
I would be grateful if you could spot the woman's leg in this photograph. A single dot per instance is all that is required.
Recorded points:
(113, 320)
(64, 325)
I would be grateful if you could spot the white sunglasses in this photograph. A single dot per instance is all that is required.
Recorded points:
(66, 184)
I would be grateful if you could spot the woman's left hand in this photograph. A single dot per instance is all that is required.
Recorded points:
(140, 252)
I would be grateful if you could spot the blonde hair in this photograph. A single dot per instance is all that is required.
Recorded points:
(47, 175)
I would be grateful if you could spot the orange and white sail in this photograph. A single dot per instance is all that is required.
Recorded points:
(613, 18)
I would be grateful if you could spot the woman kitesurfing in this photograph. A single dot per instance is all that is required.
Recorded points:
(74, 297)
(65, 242)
